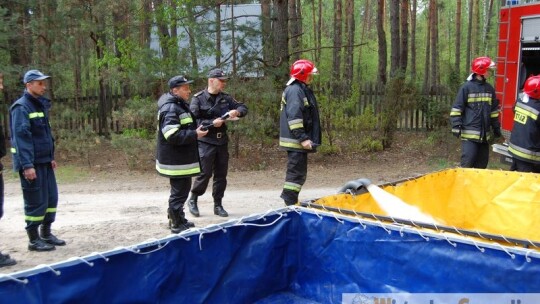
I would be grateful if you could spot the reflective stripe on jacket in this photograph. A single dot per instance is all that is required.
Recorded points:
(476, 111)
(299, 119)
(177, 149)
(525, 138)
(31, 137)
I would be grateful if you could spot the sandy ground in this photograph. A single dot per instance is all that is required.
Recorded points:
(112, 210)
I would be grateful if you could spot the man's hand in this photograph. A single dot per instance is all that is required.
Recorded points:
(456, 131)
(54, 164)
(307, 144)
(234, 113)
(30, 174)
(218, 122)
(200, 132)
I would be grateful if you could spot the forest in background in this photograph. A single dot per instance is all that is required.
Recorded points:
(105, 51)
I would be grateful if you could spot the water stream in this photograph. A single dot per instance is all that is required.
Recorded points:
(396, 208)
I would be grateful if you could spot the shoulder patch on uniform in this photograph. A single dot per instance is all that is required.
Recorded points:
(198, 93)
(225, 93)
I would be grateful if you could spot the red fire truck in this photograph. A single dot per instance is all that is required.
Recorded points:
(518, 57)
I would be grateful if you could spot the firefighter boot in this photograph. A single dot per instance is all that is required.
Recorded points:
(192, 205)
(48, 237)
(178, 222)
(36, 243)
(6, 260)
(218, 210)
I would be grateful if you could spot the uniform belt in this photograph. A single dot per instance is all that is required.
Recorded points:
(219, 134)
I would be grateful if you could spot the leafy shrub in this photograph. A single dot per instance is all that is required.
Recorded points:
(137, 145)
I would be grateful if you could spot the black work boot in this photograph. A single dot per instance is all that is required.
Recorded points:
(192, 205)
(218, 210)
(48, 237)
(6, 260)
(36, 243)
(178, 222)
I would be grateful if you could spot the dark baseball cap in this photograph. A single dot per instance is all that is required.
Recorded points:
(177, 81)
(34, 75)
(217, 73)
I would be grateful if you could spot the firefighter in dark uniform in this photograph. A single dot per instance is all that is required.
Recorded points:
(177, 154)
(475, 114)
(5, 259)
(299, 127)
(524, 144)
(209, 105)
(32, 147)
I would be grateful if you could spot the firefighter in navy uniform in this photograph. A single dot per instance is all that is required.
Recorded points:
(299, 127)
(32, 147)
(474, 114)
(208, 106)
(524, 144)
(177, 154)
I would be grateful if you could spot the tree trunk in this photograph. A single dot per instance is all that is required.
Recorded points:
(425, 85)
(218, 32)
(365, 29)
(469, 31)
(280, 35)
(413, 39)
(336, 54)
(382, 42)
(192, 34)
(457, 59)
(489, 13)
(433, 7)
(294, 30)
(476, 29)
(233, 41)
(350, 33)
(404, 47)
(394, 38)
(266, 27)
(319, 29)
(316, 33)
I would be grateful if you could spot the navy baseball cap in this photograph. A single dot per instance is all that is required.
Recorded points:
(217, 73)
(177, 81)
(34, 75)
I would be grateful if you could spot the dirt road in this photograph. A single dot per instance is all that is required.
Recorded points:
(111, 210)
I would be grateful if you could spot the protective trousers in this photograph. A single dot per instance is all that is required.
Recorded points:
(295, 176)
(474, 154)
(40, 196)
(214, 159)
(523, 166)
(179, 193)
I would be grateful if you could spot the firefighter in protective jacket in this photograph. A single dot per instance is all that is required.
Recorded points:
(299, 127)
(474, 114)
(177, 155)
(524, 143)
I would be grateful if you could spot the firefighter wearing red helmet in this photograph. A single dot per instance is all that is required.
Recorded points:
(475, 115)
(524, 144)
(300, 127)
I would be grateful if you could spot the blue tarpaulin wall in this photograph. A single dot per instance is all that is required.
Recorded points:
(286, 256)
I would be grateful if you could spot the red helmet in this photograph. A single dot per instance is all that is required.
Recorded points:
(302, 68)
(481, 65)
(532, 87)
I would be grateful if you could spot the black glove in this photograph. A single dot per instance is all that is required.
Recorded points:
(497, 132)
(456, 131)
